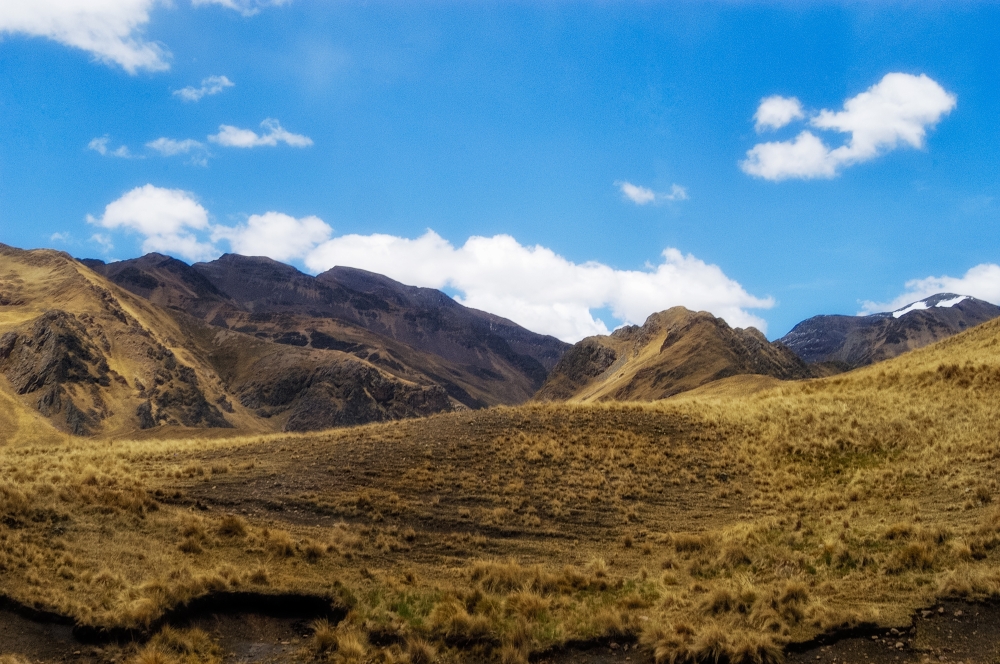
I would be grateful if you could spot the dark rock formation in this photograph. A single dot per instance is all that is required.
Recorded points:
(414, 333)
(854, 341)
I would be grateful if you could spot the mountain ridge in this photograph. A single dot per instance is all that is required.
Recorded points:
(415, 333)
(855, 341)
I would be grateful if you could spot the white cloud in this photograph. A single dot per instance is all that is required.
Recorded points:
(533, 286)
(169, 147)
(276, 235)
(644, 196)
(59, 237)
(212, 85)
(896, 111)
(981, 281)
(166, 217)
(539, 289)
(245, 7)
(104, 240)
(636, 194)
(100, 146)
(776, 112)
(677, 193)
(110, 30)
(806, 157)
(234, 137)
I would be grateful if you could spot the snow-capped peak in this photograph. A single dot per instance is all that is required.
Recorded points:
(939, 300)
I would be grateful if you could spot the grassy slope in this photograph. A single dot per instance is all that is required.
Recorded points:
(674, 351)
(706, 526)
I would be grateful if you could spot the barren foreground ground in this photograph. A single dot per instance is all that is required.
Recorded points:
(713, 527)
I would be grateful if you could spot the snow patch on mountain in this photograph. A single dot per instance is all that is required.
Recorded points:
(913, 307)
(932, 301)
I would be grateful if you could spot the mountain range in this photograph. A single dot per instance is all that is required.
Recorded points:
(414, 333)
(250, 343)
(94, 357)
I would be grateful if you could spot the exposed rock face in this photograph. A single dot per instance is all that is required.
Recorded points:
(53, 361)
(298, 389)
(72, 347)
(674, 351)
(340, 394)
(175, 397)
(57, 362)
(582, 363)
(854, 341)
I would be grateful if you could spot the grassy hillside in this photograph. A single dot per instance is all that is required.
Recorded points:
(716, 525)
(673, 351)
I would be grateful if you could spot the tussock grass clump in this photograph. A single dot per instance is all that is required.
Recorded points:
(280, 543)
(324, 637)
(232, 525)
(420, 651)
(917, 556)
(451, 621)
(259, 576)
(313, 551)
(681, 643)
(174, 646)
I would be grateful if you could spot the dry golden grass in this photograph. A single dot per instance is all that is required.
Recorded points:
(711, 527)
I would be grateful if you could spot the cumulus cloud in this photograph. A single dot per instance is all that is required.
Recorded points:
(234, 137)
(533, 286)
(100, 146)
(245, 7)
(644, 196)
(981, 281)
(110, 30)
(898, 110)
(776, 112)
(212, 85)
(539, 289)
(276, 235)
(805, 157)
(167, 218)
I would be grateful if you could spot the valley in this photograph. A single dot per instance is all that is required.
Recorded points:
(741, 519)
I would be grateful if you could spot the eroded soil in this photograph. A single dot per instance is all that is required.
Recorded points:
(953, 631)
(949, 632)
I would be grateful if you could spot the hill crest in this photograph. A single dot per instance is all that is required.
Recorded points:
(673, 351)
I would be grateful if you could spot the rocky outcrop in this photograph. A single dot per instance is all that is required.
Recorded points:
(60, 363)
(53, 362)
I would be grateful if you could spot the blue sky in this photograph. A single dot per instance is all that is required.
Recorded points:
(522, 126)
